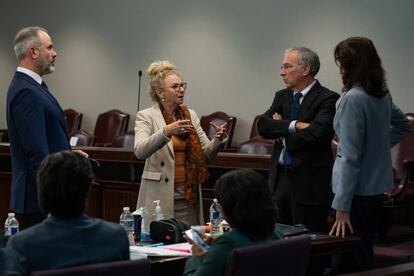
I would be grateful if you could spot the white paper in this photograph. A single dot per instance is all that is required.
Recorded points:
(137, 256)
(179, 249)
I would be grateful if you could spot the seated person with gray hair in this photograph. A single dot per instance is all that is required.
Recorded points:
(67, 237)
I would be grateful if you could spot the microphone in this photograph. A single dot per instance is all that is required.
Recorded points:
(139, 87)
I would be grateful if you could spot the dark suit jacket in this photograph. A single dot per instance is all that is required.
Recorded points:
(57, 243)
(310, 149)
(37, 127)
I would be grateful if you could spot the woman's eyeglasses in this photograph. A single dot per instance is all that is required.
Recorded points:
(176, 86)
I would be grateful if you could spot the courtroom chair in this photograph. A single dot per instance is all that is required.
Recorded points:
(139, 267)
(282, 257)
(254, 131)
(218, 118)
(125, 140)
(403, 151)
(404, 192)
(73, 120)
(256, 145)
(399, 203)
(4, 135)
(82, 138)
(110, 125)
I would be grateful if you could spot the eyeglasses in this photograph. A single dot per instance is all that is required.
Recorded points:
(176, 86)
(286, 66)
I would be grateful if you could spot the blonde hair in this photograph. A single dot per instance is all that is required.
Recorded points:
(157, 72)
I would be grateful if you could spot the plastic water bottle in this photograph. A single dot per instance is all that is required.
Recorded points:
(11, 226)
(216, 228)
(127, 221)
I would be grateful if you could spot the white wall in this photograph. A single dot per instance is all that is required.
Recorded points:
(229, 51)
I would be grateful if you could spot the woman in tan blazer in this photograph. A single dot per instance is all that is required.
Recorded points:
(169, 136)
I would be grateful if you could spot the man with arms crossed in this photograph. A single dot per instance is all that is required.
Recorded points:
(300, 119)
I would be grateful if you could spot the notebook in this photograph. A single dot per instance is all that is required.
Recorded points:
(292, 230)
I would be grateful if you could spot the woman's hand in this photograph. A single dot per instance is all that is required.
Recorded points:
(220, 131)
(177, 128)
(81, 153)
(277, 116)
(196, 250)
(342, 221)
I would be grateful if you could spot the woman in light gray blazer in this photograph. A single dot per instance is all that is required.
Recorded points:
(169, 137)
(367, 125)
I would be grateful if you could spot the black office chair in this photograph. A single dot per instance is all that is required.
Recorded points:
(282, 257)
(139, 267)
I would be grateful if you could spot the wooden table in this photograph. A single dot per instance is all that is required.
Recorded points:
(321, 245)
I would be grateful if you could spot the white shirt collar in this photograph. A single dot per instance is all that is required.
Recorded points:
(31, 74)
(306, 90)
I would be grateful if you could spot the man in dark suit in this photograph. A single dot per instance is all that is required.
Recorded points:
(67, 237)
(300, 119)
(36, 123)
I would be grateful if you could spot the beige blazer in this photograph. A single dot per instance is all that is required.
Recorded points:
(157, 181)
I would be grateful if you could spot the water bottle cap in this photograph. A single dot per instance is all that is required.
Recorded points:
(215, 200)
(11, 214)
(125, 209)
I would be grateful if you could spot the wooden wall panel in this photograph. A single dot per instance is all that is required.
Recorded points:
(118, 174)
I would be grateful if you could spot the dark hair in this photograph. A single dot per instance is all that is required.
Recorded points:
(246, 201)
(63, 180)
(360, 64)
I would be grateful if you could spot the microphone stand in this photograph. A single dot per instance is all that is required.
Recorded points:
(139, 87)
(132, 172)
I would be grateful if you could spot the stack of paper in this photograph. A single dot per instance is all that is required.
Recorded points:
(178, 249)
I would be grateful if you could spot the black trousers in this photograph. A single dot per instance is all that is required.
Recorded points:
(292, 212)
(366, 212)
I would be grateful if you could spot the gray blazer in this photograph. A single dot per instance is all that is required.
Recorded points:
(366, 127)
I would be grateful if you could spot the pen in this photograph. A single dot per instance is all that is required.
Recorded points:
(180, 250)
(156, 244)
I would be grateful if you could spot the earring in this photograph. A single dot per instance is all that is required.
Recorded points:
(162, 99)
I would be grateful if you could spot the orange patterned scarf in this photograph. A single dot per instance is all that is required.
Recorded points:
(196, 166)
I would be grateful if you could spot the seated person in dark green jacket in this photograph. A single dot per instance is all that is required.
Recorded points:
(2, 264)
(67, 237)
(247, 206)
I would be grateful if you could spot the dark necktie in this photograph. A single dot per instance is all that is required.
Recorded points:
(294, 112)
(44, 85)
